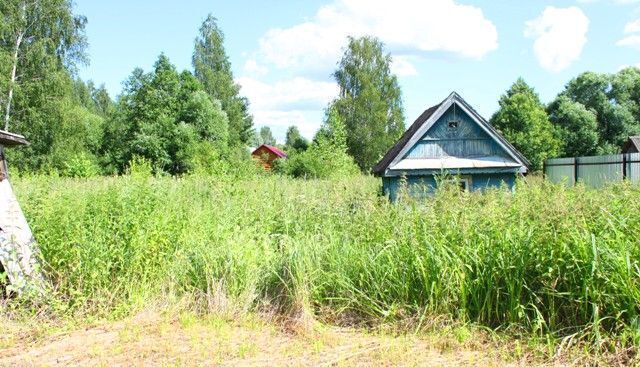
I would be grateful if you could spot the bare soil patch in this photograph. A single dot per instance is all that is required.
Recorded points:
(150, 339)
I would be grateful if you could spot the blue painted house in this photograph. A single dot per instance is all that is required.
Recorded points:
(450, 142)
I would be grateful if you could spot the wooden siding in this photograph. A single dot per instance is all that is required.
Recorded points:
(264, 157)
(424, 186)
(467, 140)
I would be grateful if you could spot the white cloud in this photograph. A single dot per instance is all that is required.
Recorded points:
(632, 29)
(618, 2)
(560, 35)
(407, 26)
(627, 66)
(311, 50)
(630, 41)
(253, 68)
(297, 93)
(401, 66)
(288, 102)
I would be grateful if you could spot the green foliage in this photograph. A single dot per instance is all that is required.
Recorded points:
(44, 41)
(295, 142)
(96, 100)
(163, 116)
(545, 259)
(614, 101)
(265, 137)
(213, 69)
(523, 121)
(326, 157)
(370, 101)
(81, 165)
(208, 118)
(577, 126)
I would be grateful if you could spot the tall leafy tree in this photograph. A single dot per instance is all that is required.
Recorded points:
(96, 100)
(38, 38)
(625, 90)
(370, 101)
(523, 121)
(41, 42)
(295, 141)
(577, 127)
(327, 155)
(213, 69)
(164, 116)
(611, 98)
(266, 136)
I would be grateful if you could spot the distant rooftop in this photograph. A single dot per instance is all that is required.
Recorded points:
(274, 150)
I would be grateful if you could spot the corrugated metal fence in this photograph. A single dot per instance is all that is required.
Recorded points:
(593, 171)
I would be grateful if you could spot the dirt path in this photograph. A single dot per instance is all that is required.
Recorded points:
(151, 340)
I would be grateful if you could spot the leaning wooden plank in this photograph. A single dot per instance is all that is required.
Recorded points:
(18, 250)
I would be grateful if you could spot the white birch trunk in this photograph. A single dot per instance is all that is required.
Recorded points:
(14, 69)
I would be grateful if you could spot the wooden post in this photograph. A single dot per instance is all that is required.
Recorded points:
(4, 172)
(624, 166)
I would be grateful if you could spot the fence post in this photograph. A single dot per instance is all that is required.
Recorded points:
(624, 166)
(575, 171)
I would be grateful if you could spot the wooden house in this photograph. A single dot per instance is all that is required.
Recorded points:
(18, 249)
(450, 142)
(266, 154)
(632, 145)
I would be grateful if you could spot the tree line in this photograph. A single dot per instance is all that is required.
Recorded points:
(593, 115)
(179, 121)
(197, 121)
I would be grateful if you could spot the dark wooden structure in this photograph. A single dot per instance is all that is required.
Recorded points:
(632, 145)
(8, 139)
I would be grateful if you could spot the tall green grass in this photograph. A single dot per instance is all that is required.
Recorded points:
(546, 259)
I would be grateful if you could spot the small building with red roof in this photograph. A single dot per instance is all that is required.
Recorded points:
(266, 154)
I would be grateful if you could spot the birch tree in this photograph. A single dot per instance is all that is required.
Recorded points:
(370, 101)
(37, 38)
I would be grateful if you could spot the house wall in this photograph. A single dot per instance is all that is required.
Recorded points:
(265, 158)
(467, 140)
(424, 185)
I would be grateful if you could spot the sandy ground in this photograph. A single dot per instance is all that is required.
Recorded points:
(153, 340)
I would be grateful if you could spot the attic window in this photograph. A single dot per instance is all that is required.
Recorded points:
(453, 124)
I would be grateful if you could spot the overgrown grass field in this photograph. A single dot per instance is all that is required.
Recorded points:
(546, 260)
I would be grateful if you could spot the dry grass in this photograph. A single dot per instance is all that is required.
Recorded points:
(175, 339)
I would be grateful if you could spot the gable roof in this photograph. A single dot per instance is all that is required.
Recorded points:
(10, 139)
(426, 120)
(633, 142)
(404, 139)
(272, 149)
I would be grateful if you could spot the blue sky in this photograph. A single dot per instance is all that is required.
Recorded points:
(283, 52)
